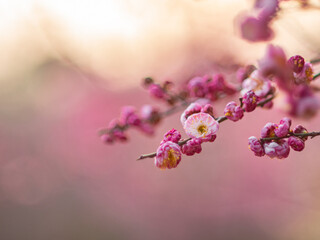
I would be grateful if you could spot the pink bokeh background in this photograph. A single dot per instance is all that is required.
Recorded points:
(59, 181)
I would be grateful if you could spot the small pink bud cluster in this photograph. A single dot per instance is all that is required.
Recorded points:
(278, 147)
(161, 91)
(209, 87)
(145, 121)
(233, 112)
(255, 26)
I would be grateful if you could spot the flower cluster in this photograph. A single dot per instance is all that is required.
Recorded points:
(276, 139)
(145, 121)
(199, 125)
(259, 86)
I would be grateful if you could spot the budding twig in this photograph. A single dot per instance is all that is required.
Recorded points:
(219, 120)
(300, 135)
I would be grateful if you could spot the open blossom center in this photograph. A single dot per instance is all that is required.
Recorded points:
(201, 125)
(202, 129)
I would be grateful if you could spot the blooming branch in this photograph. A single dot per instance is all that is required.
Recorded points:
(219, 120)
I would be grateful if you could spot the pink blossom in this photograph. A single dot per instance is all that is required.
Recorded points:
(268, 130)
(208, 108)
(107, 138)
(129, 116)
(156, 91)
(168, 155)
(296, 143)
(255, 29)
(233, 112)
(192, 146)
(268, 8)
(305, 75)
(119, 135)
(244, 72)
(296, 63)
(302, 102)
(173, 135)
(274, 62)
(300, 129)
(250, 100)
(197, 87)
(257, 83)
(279, 149)
(150, 114)
(201, 125)
(191, 109)
(256, 147)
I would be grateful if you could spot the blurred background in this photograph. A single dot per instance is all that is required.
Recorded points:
(67, 67)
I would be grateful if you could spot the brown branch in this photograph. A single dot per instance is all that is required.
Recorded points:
(300, 135)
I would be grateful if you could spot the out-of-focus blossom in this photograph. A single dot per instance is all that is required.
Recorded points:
(257, 83)
(255, 29)
(279, 149)
(233, 112)
(274, 62)
(168, 155)
(296, 143)
(150, 114)
(250, 100)
(129, 116)
(244, 72)
(192, 146)
(119, 135)
(107, 138)
(268, 8)
(256, 147)
(197, 86)
(156, 91)
(302, 102)
(173, 135)
(201, 125)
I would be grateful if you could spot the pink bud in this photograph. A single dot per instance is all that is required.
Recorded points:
(256, 147)
(197, 87)
(296, 143)
(192, 146)
(208, 108)
(173, 135)
(296, 63)
(250, 100)
(300, 129)
(106, 138)
(156, 91)
(233, 112)
(279, 149)
(129, 116)
(168, 155)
